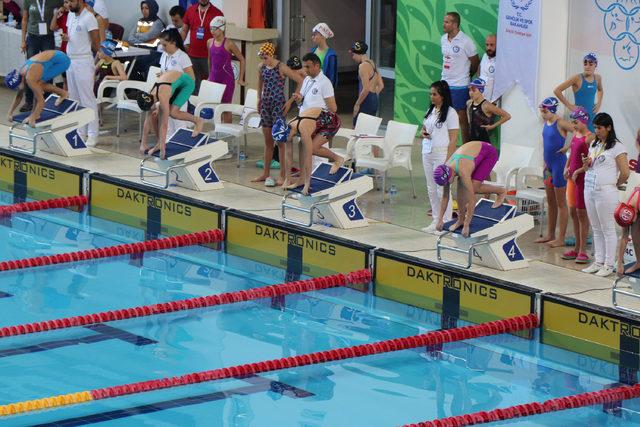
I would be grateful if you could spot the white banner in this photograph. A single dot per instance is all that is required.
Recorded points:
(611, 29)
(518, 47)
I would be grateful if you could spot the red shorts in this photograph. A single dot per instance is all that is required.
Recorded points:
(327, 124)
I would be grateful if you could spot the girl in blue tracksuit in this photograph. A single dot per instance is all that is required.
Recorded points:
(328, 57)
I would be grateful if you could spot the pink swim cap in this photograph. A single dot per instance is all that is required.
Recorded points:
(442, 174)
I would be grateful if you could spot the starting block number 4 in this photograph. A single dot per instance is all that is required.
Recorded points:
(512, 251)
(207, 174)
(352, 211)
(75, 140)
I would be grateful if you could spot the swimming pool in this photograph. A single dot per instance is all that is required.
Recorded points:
(383, 390)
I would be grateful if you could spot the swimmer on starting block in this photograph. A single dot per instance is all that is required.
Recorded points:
(171, 91)
(36, 72)
(316, 123)
(472, 163)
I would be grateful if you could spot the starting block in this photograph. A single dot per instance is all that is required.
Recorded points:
(57, 128)
(492, 239)
(189, 162)
(332, 197)
(632, 280)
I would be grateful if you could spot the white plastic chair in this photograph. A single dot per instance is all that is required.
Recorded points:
(124, 103)
(209, 96)
(396, 147)
(525, 192)
(247, 112)
(512, 157)
(102, 97)
(365, 125)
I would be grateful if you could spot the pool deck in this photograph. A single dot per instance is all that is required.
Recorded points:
(541, 274)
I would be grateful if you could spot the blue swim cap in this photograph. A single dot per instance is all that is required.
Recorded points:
(478, 84)
(90, 2)
(550, 104)
(280, 131)
(13, 79)
(591, 57)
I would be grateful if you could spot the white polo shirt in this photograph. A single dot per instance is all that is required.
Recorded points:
(487, 73)
(79, 45)
(455, 59)
(439, 132)
(314, 91)
(101, 9)
(176, 62)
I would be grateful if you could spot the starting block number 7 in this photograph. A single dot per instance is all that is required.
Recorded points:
(75, 140)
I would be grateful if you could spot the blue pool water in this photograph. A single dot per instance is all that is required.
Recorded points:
(383, 390)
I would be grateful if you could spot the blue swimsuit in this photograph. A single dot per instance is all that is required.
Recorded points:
(586, 98)
(58, 64)
(552, 142)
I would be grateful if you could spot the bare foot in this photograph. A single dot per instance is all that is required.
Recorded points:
(305, 189)
(556, 243)
(198, 127)
(545, 239)
(286, 185)
(465, 231)
(280, 182)
(455, 226)
(336, 165)
(500, 199)
(158, 147)
(632, 269)
(61, 98)
(144, 148)
(261, 178)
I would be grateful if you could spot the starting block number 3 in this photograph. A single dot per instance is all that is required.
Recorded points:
(75, 140)
(352, 211)
(512, 251)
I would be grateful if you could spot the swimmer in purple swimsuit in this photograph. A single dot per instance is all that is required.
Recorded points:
(472, 163)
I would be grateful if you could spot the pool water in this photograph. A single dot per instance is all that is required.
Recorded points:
(382, 390)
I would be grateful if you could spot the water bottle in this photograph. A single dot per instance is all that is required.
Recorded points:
(109, 35)
(393, 192)
(243, 156)
(10, 19)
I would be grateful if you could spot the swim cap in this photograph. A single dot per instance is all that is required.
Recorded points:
(267, 49)
(581, 115)
(91, 3)
(591, 57)
(108, 47)
(323, 29)
(478, 84)
(218, 22)
(442, 174)
(13, 79)
(294, 63)
(145, 101)
(550, 104)
(359, 48)
(280, 130)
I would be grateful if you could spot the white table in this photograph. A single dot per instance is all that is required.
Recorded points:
(10, 43)
(131, 52)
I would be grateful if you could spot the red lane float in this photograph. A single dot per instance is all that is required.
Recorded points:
(535, 408)
(63, 202)
(319, 283)
(200, 237)
(432, 338)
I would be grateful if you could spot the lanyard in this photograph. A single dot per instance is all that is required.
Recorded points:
(41, 8)
(599, 151)
(203, 16)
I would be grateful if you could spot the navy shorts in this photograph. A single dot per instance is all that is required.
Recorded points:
(459, 98)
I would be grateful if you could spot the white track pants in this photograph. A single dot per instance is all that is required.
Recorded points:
(80, 78)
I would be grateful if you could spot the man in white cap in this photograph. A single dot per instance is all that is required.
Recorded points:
(197, 21)
(328, 57)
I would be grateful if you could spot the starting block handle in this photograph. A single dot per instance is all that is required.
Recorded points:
(468, 252)
(155, 172)
(309, 210)
(33, 140)
(614, 296)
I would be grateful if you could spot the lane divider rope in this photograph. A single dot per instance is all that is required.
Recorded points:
(429, 339)
(38, 205)
(535, 408)
(315, 284)
(210, 236)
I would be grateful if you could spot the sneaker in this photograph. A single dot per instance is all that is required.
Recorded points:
(431, 229)
(270, 182)
(605, 271)
(26, 107)
(570, 255)
(582, 258)
(593, 268)
(91, 141)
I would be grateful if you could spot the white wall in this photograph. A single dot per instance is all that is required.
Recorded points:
(525, 127)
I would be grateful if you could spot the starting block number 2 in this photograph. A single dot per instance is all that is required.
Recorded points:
(512, 251)
(207, 173)
(75, 140)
